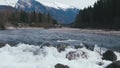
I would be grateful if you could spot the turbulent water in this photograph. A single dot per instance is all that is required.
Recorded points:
(24, 55)
(58, 37)
(30, 56)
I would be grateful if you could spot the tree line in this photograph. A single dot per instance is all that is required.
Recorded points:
(105, 14)
(19, 18)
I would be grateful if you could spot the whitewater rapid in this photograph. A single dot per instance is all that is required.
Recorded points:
(31, 56)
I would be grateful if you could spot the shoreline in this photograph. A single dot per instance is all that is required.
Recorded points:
(93, 31)
(67, 29)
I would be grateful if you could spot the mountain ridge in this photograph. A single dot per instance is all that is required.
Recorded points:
(64, 14)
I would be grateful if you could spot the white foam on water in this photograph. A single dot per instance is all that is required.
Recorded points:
(31, 56)
(69, 40)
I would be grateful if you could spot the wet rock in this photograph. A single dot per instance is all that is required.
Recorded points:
(77, 47)
(2, 45)
(89, 46)
(109, 55)
(115, 64)
(61, 66)
(100, 63)
(46, 44)
(61, 48)
(73, 55)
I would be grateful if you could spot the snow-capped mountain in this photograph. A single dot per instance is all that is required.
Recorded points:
(8, 2)
(57, 5)
(64, 14)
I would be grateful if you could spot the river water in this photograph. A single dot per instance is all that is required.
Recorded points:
(39, 36)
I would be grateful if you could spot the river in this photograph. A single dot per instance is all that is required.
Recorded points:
(38, 36)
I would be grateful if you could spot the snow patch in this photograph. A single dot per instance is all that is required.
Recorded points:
(8, 2)
(22, 3)
(56, 5)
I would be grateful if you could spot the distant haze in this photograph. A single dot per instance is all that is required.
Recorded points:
(76, 3)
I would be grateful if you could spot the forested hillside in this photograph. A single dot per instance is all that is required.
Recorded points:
(105, 14)
(10, 17)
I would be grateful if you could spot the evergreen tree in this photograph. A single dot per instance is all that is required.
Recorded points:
(22, 18)
(104, 14)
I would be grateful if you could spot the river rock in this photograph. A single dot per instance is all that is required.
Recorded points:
(61, 48)
(73, 55)
(88, 46)
(77, 47)
(109, 55)
(61, 66)
(100, 63)
(2, 45)
(45, 45)
(115, 64)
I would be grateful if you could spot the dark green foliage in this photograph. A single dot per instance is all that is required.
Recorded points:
(105, 14)
(39, 17)
(55, 22)
(2, 27)
(22, 19)
(23, 16)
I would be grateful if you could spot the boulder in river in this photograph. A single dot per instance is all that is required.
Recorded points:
(109, 55)
(61, 66)
(2, 44)
(72, 55)
(100, 63)
(46, 44)
(115, 64)
(88, 46)
(61, 48)
(78, 46)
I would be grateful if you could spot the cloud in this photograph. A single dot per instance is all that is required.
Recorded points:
(77, 3)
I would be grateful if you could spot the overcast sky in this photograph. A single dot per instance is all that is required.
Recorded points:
(76, 3)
